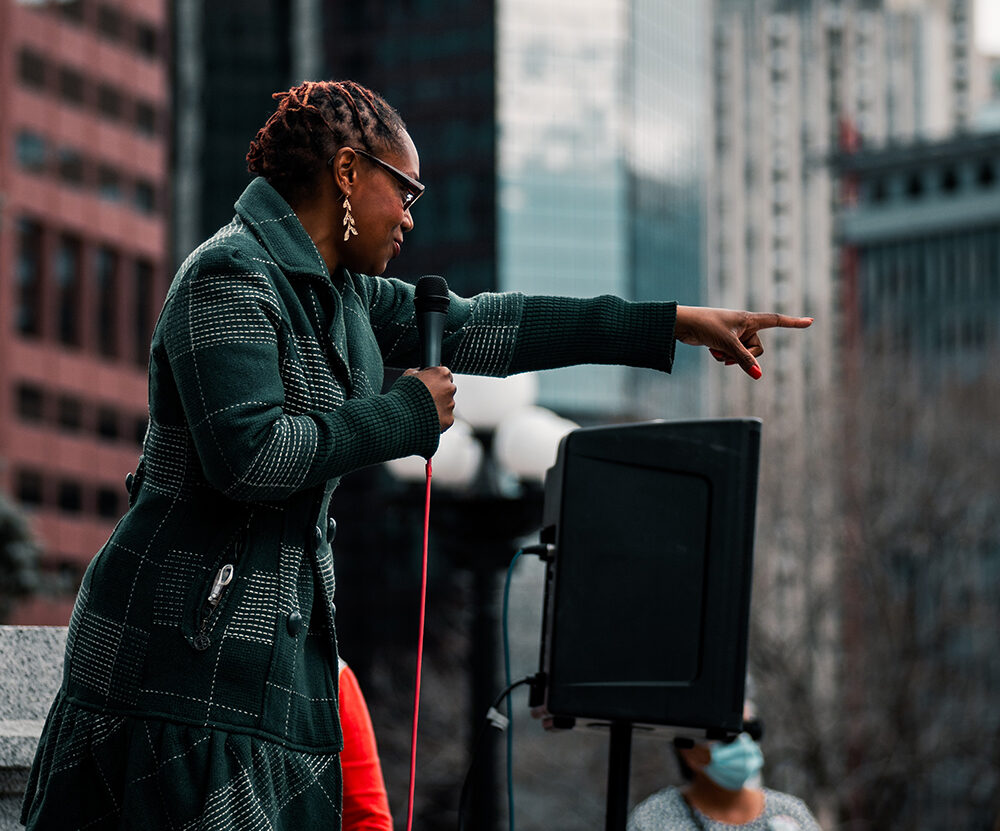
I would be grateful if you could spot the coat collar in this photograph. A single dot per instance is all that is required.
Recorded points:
(277, 227)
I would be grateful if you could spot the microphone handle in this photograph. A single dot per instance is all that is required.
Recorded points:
(431, 333)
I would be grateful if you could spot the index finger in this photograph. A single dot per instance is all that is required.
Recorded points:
(773, 320)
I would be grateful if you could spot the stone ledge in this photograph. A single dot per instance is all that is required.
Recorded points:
(31, 661)
(18, 740)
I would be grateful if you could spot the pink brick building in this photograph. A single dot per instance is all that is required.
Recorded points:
(84, 188)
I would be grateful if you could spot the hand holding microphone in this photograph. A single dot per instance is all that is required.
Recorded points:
(431, 303)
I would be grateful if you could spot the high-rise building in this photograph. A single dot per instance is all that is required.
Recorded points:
(921, 242)
(602, 120)
(227, 60)
(919, 230)
(83, 249)
(793, 83)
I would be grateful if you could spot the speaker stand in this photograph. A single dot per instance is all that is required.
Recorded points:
(619, 764)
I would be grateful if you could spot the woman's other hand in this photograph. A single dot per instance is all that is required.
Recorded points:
(731, 336)
(439, 380)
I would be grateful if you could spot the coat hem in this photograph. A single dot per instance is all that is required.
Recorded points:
(173, 718)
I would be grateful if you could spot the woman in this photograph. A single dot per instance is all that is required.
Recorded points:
(200, 684)
(720, 794)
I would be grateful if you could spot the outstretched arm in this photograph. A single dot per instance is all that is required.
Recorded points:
(731, 336)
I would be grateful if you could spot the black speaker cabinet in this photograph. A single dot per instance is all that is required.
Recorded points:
(647, 596)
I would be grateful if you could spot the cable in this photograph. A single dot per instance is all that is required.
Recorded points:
(545, 553)
(420, 650)
(506, 679)
(489, 720)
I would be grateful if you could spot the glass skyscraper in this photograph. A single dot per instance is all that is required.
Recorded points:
(599, 175)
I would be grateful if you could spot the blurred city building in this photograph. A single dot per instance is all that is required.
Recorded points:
(919, 236)
(920, 252)
(228, 57)
(795, 83)
(84, 169)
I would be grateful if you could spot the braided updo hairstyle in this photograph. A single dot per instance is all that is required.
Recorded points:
(312, 122)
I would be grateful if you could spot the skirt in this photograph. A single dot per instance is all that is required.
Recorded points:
(97, 771)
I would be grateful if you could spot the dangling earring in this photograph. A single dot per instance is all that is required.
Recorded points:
(348, 220)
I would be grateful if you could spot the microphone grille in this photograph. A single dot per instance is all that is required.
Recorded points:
(431, 294)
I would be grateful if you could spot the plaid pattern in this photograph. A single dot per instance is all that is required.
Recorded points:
(112, 771)
(265, 387)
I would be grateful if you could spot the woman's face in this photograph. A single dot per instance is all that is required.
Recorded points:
(377, 204)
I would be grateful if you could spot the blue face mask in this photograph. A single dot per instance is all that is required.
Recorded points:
(734, 763)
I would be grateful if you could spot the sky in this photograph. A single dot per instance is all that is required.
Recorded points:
(988, 26)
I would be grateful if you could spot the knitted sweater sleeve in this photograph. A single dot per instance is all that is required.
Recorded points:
(560, 331)
(503, 334)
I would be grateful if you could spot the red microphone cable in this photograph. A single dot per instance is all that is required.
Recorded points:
(420, 651)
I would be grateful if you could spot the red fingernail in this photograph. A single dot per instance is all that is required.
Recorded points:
(755, 373)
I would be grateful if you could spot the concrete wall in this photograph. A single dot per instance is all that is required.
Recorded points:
(31, 661)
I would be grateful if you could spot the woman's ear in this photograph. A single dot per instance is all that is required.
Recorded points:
(345, 169)
(696, 757)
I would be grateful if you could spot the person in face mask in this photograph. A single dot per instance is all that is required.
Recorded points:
(722, 791)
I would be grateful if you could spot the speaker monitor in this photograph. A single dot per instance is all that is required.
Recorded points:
(647, 595)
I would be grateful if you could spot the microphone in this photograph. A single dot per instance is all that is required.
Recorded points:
(431, 304)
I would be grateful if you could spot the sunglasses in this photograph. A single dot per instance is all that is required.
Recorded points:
(753, 727)
(412, 190)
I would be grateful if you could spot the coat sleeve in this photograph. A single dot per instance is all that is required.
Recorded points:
(219, 330)
(502, 334)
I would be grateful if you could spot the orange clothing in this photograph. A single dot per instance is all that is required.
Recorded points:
(366, 804)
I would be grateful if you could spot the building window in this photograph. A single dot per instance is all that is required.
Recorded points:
(72, 86)
(68, 278)
(108, 503)
(147, 40)
(70, 496)
(71, 167)
(109, 102)
(109, 184)
(29, 278)
(110, 22)
(985, 175)
(69, 414)
(72, 10)
(30, 151)
(107, 423)
(30, 403)
(29, 487)
(31, 68)
(145, 118)
(145, 196)
(949, 180)
(143, 312)
(106, 274)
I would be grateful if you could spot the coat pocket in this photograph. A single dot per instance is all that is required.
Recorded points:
(213, 590)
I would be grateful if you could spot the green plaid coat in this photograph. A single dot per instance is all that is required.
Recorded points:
(200, 680)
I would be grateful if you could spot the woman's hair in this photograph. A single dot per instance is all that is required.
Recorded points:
(684, 767)
(312, 122)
